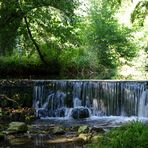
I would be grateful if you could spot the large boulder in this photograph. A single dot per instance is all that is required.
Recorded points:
(17, 127)
(80, 113)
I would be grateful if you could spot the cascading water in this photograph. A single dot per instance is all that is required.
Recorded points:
(96, 98)
(143, 104)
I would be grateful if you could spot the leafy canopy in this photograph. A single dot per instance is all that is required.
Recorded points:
(45, 17)
(110, 40)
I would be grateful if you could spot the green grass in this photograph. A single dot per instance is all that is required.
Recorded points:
(131, 135)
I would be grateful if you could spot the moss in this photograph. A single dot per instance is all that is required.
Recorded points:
(17, 127)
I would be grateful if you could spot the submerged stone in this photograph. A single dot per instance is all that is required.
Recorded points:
(80, 113)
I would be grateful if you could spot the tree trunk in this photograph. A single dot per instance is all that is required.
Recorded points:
(34, 42)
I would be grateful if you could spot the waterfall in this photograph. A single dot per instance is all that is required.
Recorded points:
(100, 98)
(143, 104)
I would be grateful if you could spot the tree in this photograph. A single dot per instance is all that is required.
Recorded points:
(18, 18)
(111, 41)
(140, 13)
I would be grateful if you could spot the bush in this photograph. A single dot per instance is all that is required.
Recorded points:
(131, 135)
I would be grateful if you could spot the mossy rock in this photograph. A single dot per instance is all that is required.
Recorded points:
(17, 127)
(85, 137)
(75, 127)
(18, 141)
(58, 130)
(83, 129)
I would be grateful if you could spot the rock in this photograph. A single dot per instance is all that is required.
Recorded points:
(33, 129)
(18, 141)
(96, 138)
(83, 129)
(74, 127)
(58, 130)
(80, 113)
(97, 130)
(85, 137)
(17, 127)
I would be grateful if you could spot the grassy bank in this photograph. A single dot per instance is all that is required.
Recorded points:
(131, 135)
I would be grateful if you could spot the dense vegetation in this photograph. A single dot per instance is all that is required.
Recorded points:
(131, 135)
(62, 39)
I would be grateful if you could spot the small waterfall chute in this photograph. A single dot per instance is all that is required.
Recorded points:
(95, 98)
(143, 104)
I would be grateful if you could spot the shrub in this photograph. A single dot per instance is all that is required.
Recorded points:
(131, 135)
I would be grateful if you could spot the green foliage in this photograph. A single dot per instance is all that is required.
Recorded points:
(47, 19)
(10, 19)
(27, 67)
(91, 46)
(131, 135)
(78, 63)
(140, 13)
(18, 59)
(107, 38)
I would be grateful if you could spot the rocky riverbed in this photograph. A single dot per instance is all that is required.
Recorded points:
(19, 134)
(20, 128)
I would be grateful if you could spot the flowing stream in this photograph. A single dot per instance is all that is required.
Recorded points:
(71, 103)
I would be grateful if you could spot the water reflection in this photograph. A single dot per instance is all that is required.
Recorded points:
(38, 141)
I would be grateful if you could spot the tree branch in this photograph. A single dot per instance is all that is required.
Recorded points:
(2, 96)
(34, 42)
(67, 7)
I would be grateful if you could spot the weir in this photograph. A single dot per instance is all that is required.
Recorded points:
(82, 99)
